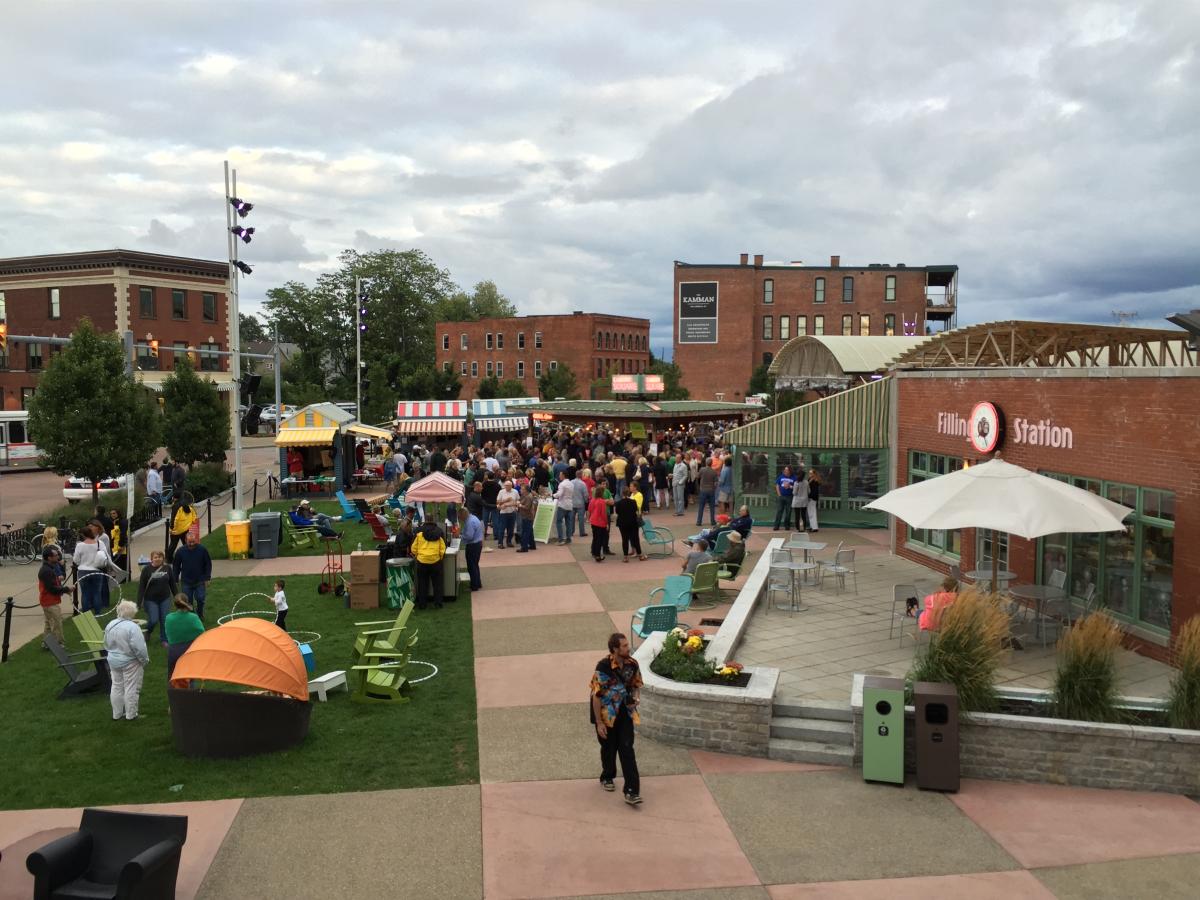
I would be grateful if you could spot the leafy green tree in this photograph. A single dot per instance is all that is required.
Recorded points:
(195, 422)
(485, 302)
(558, 382)
(510, 387)
(252, 328)
(488, 387)
(89, 416)
(671, 376)
(428, 383)
(760, 382)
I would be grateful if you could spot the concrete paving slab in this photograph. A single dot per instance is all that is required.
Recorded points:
(511, 603)
(542, 556)
(833, 826)
(532, 576)
(549, 743)
(1051, 825)
(614, 571)
(537, 680)
(415, 843)
(543, 634)
(726, 893)
(23, 831)
(626, 594)
(727, 763)
(1160, 877)
(676, 840)
(982, 886)
(284, 565)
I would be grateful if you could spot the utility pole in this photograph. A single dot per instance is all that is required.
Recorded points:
(358, 348)
(235, 327)
(278, 381)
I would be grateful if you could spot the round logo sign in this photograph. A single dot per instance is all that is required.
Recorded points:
(984, 428)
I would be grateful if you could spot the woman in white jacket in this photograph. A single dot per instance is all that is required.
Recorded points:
(127, 660)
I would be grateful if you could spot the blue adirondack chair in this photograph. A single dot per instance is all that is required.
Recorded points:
(349, 510)
(656, 618)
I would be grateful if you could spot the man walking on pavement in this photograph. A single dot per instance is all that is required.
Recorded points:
(193, 570)
(472, 539)
(616, 683)
(706, 487)
(679, 480)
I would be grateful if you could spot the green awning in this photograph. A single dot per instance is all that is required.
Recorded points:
(855, 418)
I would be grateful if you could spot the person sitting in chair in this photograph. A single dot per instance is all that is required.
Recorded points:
(734, 555)
(698, 555)
(936, 604)
(304, 517)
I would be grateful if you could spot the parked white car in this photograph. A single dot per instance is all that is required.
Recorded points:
(77, 487)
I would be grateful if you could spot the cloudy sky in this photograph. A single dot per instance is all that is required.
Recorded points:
(570, 151)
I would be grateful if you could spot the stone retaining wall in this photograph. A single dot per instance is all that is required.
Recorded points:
(1060, 751)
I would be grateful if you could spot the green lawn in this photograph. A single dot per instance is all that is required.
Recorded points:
(355, 532)
(71, 752)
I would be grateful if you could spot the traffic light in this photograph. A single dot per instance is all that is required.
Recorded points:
(3, 337)
(154, 349)
(246, 234)
(362, 310)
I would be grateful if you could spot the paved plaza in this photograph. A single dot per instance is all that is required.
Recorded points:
(711, 826)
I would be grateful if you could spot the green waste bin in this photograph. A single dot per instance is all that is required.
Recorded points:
(400, 588)
(883, 729)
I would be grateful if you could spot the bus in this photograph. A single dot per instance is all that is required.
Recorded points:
(17, 452)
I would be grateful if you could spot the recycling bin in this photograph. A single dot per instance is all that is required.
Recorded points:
(936, 736)
(264, 533)
(237, 539)
(400, 587)
(450, 568)
(883, 729)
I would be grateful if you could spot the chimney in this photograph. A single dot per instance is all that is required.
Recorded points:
(758, 259)
(745, 259)
(835, 262)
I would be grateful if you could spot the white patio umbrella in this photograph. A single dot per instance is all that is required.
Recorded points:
(1002, 497)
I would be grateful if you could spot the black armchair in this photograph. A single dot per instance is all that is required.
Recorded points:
(112, 855)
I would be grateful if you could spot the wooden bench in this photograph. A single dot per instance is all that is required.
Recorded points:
(326, 683)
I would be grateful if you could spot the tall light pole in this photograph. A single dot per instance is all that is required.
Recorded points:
(358, 330)
(233, 233)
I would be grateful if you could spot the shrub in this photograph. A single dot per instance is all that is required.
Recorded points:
(1085, 684)
(206, 480)
(967, 650)
(1183, 703)
(682, 657)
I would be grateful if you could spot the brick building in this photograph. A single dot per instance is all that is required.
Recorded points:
(730, 318)
(180, 302)
(594, 345)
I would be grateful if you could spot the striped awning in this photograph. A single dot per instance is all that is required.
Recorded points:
(502, 423)
(431, 409)
(362, 430)
(501, 406)
(855, 418)
(431, 426)
(305, 437)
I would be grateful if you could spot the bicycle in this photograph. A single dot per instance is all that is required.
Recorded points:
(15, 546)
(67, 539)
(154, 507)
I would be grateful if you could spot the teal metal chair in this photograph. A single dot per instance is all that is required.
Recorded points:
(349, 510)
(653, 536)
(676, 591)
(721, 545)
(656, 618)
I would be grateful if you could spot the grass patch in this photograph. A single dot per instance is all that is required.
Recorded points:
(71, 753)
(355, 532)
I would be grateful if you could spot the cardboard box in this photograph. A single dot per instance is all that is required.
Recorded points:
(364, 596)
(364, 567)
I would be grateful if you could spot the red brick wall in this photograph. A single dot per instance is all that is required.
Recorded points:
(1140, 431)
(569, 340)
(727, 365)
(167, 330)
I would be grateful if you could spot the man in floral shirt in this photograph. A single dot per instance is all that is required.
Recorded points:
(616, 683)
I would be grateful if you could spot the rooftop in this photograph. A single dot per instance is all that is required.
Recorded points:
(641, 409)
(107, 259)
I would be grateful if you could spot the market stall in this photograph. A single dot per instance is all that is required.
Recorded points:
(500, 419)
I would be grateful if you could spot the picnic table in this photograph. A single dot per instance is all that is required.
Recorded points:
(323, 482)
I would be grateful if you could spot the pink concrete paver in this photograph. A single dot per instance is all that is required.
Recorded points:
(295, 565)
(535, 680)
(22, 832)
(514, 603)
(1049, 825)
(566, 838)
(728, 764)
(545, 554)
(983, 886)
(612, 570)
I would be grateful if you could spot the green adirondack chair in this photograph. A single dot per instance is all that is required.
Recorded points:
(299, 537)
(381, 682)
(705, 587)
(91, 634)
(383, 640)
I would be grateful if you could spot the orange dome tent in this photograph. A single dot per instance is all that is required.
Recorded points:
(246, 651)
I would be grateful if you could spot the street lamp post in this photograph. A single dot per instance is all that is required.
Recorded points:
(235, 343)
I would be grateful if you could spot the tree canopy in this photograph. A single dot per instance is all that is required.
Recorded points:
(252, 329)
(195, 421)
(559, 382)
(89, 416)
(671, 375)
(492, 387)
(484, 302)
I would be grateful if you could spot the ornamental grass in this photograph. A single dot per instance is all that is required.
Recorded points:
(1085, 683)
(1183, 702)
(967, 649)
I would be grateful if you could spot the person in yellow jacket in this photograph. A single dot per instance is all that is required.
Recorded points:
(428, 549)
(182, 517)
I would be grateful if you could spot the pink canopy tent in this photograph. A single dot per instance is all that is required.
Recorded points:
(435, 488)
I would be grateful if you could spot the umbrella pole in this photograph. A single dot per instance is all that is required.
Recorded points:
(995, 562)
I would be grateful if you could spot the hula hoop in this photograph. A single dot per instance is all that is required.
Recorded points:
(234, 614)
(316, 636)
(417, 662)
(120, 593)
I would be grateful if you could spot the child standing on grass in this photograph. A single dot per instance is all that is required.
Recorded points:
(281, 606)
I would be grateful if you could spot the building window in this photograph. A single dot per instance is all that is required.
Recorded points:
(889, 288)
(889, 325)
(499, 340)
(520, 340)
(489, 368)
(599, 341)
(520, 368)
(55, 304)
(208, 305)
(819, 291)
(801, 325)
(146, 302)
(607, 341)
(768, 328)
(599, 368)
(462, 368)
(537, 340)
(848, 289)
(768, 290)
(864, 324)
(537, 368)
(621, 364)
(179, 352)
(768, 358)
(462, 342)
(3, 308)
(487, 341)
(553, 365)
(785, 328)
(445, 342)
(209, 361)
(622, 342)
(474, 369)
(27, 395)
(179, 304)
(818, 324)
(847, 325)
(446, 366)
(983, 548)
(923, 466)
(500, 368)
(34, 357)
(146, 360)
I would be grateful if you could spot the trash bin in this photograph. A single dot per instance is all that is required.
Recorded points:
(936, 736)
(264, 531)
(237, 538)
(883, 729)
(450, 567)
(400, 587)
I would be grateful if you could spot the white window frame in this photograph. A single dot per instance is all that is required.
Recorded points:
(537, 340)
